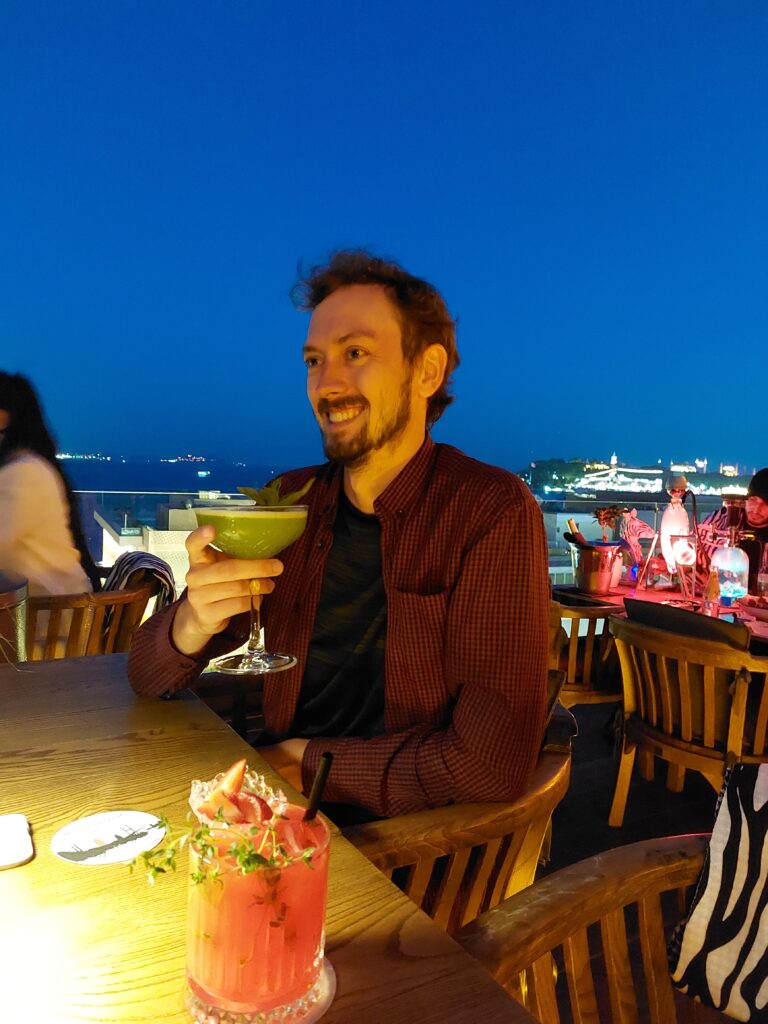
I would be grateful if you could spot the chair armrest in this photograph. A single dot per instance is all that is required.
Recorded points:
(561, 729)
(524, 927)
(395, 842)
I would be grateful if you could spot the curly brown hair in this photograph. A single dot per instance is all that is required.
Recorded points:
(422, 309)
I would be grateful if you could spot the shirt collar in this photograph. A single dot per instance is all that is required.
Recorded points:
(395, 499)
(408, 485)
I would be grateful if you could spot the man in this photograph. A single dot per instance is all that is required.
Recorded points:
(751, 521)
(416, 601)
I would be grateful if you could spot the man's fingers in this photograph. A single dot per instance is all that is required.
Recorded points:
(197, 546)
(220, 612)
(231, 588)
(229, 569)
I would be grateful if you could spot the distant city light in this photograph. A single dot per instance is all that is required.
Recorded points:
(84, 456)
(186, 458)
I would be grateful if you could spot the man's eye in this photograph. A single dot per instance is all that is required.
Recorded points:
(310, 362)
(355, 353)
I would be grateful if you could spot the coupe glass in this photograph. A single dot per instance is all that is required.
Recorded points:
(254, 531)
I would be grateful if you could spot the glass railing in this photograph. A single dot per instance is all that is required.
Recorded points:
(125, 513)
(160, 520)
(557, 512)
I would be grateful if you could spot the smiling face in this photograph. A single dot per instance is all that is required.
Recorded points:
(362, 389)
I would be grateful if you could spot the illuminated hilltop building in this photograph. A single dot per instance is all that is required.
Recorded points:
(599, 477)
(622, 478)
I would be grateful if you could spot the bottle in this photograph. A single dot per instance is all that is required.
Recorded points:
(762, 573)
(732, 567)
(711, 603)
(578, 537)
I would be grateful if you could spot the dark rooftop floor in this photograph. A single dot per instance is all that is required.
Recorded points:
(580, 823)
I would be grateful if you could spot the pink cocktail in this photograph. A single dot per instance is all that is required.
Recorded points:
(255, 927)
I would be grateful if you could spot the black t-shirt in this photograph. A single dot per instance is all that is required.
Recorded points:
(342, 691)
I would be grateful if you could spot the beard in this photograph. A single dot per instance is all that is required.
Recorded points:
(354, 451)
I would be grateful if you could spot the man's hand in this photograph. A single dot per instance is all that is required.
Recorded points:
(218, 587)
(286, 758)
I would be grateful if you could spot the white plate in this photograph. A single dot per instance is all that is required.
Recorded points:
(112, 837)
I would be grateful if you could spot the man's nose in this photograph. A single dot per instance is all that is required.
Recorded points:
(329, 380)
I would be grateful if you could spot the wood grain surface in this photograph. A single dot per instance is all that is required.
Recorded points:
(97, 944)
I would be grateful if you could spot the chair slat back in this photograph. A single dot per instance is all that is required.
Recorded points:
(686, 688)
(572, 937)
(653, 945)
(581, 987)
(456, 862)
(761, 724)
(587, 659)
(557, 635)
(543, 1000)
(74, 625)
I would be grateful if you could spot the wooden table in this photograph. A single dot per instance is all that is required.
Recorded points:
(95, 944)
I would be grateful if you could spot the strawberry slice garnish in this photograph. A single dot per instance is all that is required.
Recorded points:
(222, 801)
(219, 806)
(253, 808)
(232, 780)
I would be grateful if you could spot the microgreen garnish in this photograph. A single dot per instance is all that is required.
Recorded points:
(217, 855)
(162, 859)
(223, 836)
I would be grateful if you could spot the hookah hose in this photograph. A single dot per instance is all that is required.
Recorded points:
(693, 509)
(701, 560)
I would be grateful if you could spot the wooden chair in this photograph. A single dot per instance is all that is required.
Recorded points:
(696, 704)
(589, 661)
(73, 625)
(456, 862)
(558, 638)
(567, 946)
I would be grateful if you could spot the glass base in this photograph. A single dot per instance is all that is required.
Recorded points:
(254, 664)
(311, 1007)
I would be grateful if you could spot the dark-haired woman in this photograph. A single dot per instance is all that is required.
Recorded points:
(40, 533)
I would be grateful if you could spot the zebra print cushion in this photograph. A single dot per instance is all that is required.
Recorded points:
(719, 954)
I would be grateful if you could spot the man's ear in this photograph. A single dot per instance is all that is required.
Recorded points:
(431, 373)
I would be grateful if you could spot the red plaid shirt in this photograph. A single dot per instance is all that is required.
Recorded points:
(464, 560)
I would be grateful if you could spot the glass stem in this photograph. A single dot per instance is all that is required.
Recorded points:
(255, 645)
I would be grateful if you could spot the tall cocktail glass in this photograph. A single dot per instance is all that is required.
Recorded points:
(254, 531)
(256, 917)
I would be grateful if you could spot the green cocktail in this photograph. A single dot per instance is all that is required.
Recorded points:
(254, 531)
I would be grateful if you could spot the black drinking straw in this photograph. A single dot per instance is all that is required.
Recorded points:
(316, 793)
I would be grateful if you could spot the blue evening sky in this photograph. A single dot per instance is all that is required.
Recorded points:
(587, 183)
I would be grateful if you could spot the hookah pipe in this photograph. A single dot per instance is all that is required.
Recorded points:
(677, 487)
(695, 533)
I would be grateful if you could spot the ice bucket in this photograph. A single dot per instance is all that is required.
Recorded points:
(599, 567)
(13, 618)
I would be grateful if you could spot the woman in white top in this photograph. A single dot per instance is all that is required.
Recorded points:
(40, 533)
